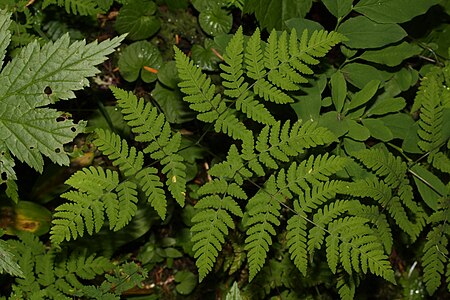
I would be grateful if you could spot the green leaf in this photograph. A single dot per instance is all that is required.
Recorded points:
(308, 106)
(357, 131)
(338, 90)
(136, 60)
(429, 185)
(335, 122)
(338, 8)
(204, 57)
(187, 282)
(202, 5)
(393, 11)
(300, 24)
(386, 105)
(361, 74)
(25, 216)
(271, 14)
(215, 21)
(364, 95)
(378, 130)
(168, 75)
(137, 19)
(172, 104)
(234, 293)
(39, 76)
(393, 55)
(411, 142)
(399, 124)
(7, 263)
(365, 33)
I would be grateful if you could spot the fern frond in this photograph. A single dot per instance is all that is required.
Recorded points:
(213, 220)
(346, 285)
(435, 256)
(95, 193)
(296, 237)
(76, 7)
(264, 213)
(152, 127)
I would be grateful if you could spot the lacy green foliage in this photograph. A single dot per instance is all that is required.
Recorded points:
(36, 77)
(251, 76)
(51, 275)
(390, 188)
(99, 193)
(79, 7)
(433, 103)
(7, 263)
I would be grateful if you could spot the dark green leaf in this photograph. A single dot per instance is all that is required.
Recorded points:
(365, 33)
(357, 131)
(410, 144)
(137, 56)
(393, 11)
(393, 55)
(378, 130)
(301, 24)
(338, 8)
(335, 122)
(386, 105)
(429, 185)
(215, 21)
(360, 74)
(204, 57)
(171, 103)
(364, 95)
(338, 90)
(187, 282)
(399, 124)
(168, 75)
(308, 106)
(137, 19)
(202, 5)
(273, 13)
(352, 146)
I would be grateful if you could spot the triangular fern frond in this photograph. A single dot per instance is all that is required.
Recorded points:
(96, 192)
(152, 127)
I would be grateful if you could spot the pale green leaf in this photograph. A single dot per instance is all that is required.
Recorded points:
(393, 11)
(234, 293)
(39, 76)
(7, 263)
(338, 8)
(5, 34)
(393, 55)
(365, 33)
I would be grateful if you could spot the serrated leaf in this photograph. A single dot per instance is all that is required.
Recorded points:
(7, 263)
(271, 14)
(393, 55)
(39, 76)
(137, 19)
(393, 11)
(138, 59)
(338, 8)
(386, 105)
(215, 21)
(234, 293)
(365, 33)
(338, 90)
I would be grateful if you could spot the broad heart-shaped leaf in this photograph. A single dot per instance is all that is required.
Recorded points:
(393, 55)
(215, 21)
(272, 14)
(365, 33)
(393, 11)
(140, 58)
(338, 8)
(35, 78)
(137, 19)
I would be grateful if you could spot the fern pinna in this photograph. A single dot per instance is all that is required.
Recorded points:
(254, 72)
(48, 274)
(97, 193)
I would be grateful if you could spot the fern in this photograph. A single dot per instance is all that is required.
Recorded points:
(76, 7)
(29, 129)
(53, 275)
(391, 188)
